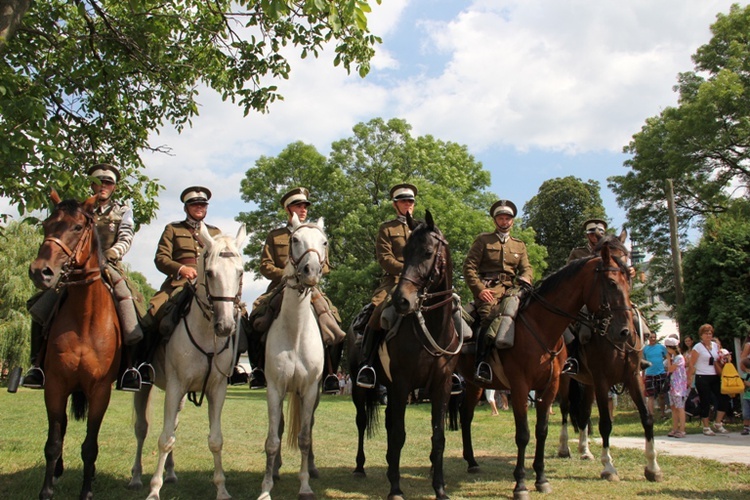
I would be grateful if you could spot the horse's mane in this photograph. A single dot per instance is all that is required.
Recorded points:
(553, 280)
(68, 206)
(222, 243)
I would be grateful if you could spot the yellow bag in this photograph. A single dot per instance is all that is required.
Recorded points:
(731, 383)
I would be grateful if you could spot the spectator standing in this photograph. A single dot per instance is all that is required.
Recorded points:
(490, 395)
(656, 374)
(745, 367)
(678, 386)
(705, 365)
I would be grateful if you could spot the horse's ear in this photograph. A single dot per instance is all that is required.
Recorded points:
(410, 221)
(295, 221)
(429, 220)
(90, 204)
(206, 237)
(239, 240)
(55, 197)
(321, 224)
(604, 252)
(623, 235)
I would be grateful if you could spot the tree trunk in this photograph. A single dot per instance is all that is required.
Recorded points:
(11, 12)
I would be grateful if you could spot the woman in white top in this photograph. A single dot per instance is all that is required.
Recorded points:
(703, 360)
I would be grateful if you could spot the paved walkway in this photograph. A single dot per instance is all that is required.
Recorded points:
(725, 448)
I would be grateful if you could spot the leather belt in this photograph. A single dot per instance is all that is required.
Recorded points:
(188, 261)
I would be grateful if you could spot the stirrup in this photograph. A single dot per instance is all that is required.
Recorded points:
(147, 373)
(483, 373)
(570, 367)
(257, 379)
(366, 377)
(134, 387)
(457, 384)
(331, 384)
(34, 378)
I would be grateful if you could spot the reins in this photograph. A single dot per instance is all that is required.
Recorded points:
(206, 308)
(301, 287)
(76, 265)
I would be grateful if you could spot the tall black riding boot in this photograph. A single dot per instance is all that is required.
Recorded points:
(366, 377)
(571, 363)
(34, 377)
(483, 371)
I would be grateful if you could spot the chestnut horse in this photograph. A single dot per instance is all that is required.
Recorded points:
(421, 354)
(83, 343)
(534, 361)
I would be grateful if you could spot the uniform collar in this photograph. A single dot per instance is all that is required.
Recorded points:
(103, 209)
(503, 236)
(195, 224)
(401, 219)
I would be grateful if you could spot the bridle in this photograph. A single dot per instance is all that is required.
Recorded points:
(77, 262)
(207, 310)
(295, 261)
(434, 277)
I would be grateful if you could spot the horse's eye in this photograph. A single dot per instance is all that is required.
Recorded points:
(295, 239)
(210, 273)
(78, 227)
(325, 243)
(429, 253)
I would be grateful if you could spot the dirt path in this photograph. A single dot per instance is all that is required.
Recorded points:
(725, 448)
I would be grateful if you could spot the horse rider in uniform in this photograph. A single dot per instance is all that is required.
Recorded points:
(273, 260)
(115, 229)
(177, 255)
(594, 229)
(389, 252)
(496, 270)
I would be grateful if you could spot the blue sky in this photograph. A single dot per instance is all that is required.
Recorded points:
(536, 89)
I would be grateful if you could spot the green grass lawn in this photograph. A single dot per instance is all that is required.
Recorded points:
(24, 430)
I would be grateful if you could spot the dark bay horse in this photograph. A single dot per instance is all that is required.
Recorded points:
(83, 344)
(535, 361)
(421, 354)
(606, 360)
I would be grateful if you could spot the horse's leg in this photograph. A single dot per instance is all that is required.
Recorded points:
(472, 394)
(304, 440)
(635, 388)
(563, 449)
(312, 469)
(98, 401)
(540, 432)
(520, 398)
(140, 406)
(359, 397)
(170, 476)
(605, 429)
(439, 401)
(216, 399)
(58, 420)
(584, 414)
(394, 424)
(275, 401)
(172, 398)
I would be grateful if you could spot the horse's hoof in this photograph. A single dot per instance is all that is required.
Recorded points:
(521, 495)
(395, 497)
(135, 484)
(170, 478)
(563, 454)
(656, 477)
(611, 477)
(306, 496)
(473, 469)
(544, 487)
(314, 473)
(359, 473)
(587, 456)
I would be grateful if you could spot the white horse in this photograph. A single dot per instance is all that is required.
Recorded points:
(294, 354)
(198, 358)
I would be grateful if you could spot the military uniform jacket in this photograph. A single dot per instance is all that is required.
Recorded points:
(580, 253)
(489, 258)
(275, 255)
(389, 250)
(179, 246)
(115, 227)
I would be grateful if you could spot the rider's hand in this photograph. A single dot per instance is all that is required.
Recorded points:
(486, 295)
(188, 273)
(111, 255)
(525, 285)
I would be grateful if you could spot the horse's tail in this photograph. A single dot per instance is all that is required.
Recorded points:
(79, 405)
(576, 400)
(293, 412)
(372, 403)
(454, 404)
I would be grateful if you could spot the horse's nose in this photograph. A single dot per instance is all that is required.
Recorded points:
(624, 333)
(401, 304)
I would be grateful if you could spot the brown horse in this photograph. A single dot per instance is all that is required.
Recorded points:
(83, 343)
(423, 351)
(605, 361)
(534, 362)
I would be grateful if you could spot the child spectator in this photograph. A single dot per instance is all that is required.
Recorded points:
(678, 386)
